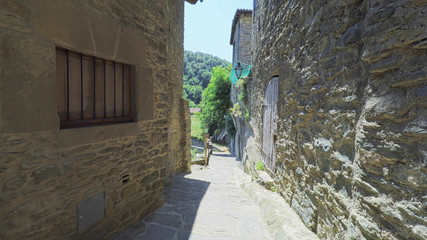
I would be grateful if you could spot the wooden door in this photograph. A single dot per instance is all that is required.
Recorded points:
(270, 123)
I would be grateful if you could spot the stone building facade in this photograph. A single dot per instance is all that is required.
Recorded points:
(241, 40)
(241, 37)
(88, 182)
(350, 140)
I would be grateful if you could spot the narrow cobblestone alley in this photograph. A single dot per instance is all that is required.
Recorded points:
(206, 204)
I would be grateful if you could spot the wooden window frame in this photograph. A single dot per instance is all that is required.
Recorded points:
(92, 95)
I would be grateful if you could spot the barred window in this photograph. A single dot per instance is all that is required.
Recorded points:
(92, 90)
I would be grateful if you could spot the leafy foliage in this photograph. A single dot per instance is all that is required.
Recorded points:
(260, 166)
(194, 154)
(216, 100)
(197, 73)
(242, 86)
(193, 93)
(240, 111)
(235, 110)
(192, 104)
(229, 126)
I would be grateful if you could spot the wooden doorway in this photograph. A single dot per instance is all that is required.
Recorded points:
(269, 123)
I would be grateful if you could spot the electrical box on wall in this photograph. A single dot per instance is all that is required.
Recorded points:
(90, 211)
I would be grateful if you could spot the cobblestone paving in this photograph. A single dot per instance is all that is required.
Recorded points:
(207, 204)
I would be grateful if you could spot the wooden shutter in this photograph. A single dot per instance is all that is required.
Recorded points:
(270, 122)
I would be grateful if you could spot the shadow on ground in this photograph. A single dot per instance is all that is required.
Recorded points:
(220, 154)
(176, 218)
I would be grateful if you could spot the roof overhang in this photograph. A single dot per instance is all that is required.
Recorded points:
(239, 12)
(193, 1)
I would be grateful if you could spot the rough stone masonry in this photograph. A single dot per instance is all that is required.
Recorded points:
(351, 148)
(45, 171)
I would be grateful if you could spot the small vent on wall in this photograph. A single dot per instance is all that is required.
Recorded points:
(125, 177)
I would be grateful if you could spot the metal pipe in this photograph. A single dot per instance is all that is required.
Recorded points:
(114, 66)
(123, 89)
(105, 93)
(68, 87)
(94, 87)
(81, 86)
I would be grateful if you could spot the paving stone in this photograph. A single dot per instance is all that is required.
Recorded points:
(158, 232)
(185, 236)
(247, 229)
(207, 204)
(178, 208)
(212, 230)
(172, 220)
(244, 215)
(187, 228)
(123, 236)
(212, 219)
(136, 229)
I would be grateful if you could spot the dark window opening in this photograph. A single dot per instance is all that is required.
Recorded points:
(92, 90)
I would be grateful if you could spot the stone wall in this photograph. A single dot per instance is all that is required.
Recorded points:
(351, 151)
(46, 171)
(245, 38)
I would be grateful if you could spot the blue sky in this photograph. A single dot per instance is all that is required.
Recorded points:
(207, 26)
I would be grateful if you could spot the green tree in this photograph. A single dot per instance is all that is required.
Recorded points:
(216, 99)
(197, 72)
(193, 93)
(194, 82)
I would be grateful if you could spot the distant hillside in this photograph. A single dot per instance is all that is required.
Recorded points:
(197, 73)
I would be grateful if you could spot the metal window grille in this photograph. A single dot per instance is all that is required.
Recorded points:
(92, 90)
